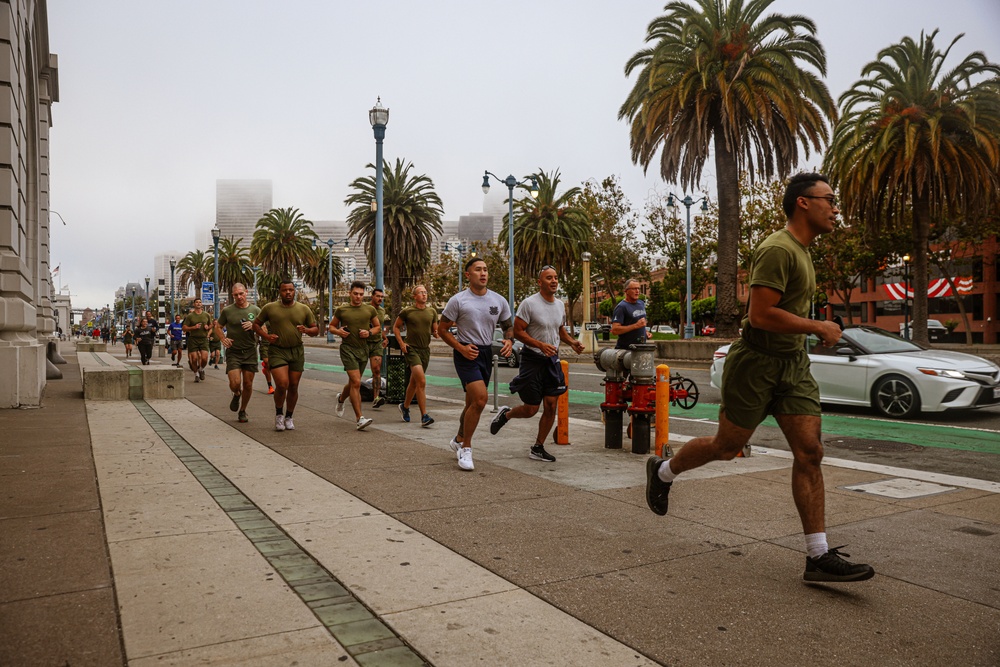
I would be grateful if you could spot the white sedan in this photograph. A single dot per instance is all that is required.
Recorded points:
(872, 367)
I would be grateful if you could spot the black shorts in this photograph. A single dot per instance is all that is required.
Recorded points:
(481, 369)
(539, 376)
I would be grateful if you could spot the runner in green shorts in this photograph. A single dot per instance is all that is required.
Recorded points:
(376, 348)
(196, 325)
(355, 323)
(264, 368)
(767, 372)
(420, 321)
(286, 321)
(241, 348)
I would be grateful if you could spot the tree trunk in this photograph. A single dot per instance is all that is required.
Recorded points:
(727, 310)
(921, 231)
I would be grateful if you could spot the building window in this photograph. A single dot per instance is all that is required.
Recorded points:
(864, 313)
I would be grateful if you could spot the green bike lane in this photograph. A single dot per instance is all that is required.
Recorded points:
(925, 435)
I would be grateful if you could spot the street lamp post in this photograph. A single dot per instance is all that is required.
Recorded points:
(460, 247)
(147, 294)
(688, 202)
(215, 242)
(133, 305)
(906, 296)
(586, 337)
(378, 116)
(510, 182)
(173, 302)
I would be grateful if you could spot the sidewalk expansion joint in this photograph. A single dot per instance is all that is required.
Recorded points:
(356, 627)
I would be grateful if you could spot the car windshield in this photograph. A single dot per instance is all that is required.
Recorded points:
(877, 341)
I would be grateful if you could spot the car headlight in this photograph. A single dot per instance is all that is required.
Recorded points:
(949, 373)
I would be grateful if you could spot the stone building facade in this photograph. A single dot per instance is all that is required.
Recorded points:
(29, 85)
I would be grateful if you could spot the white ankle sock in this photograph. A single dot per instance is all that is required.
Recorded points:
(665, 473)
(816, 544)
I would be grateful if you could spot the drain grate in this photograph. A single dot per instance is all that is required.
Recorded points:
(865, 445)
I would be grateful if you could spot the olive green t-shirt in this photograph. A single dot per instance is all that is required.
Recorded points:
(354, 319)
(194, 318)
(380, 313)
(282, 320)
(232, 318)
(419, 323)
(782, 263)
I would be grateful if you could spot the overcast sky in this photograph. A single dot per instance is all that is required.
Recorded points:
(160, 99)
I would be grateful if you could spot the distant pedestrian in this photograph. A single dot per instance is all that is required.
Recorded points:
(629, 319)
(767, 372)
(196, 325)
(145, 339)
(128, 339)
(240, 342)
(540, 325)
(476, 312)
(262, 350)
(214, 349)
(176, 332)
(420, 321)
(356, 323)
(287, 320)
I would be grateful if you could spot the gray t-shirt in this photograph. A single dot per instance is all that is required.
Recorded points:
(544, 319)
(476, 316)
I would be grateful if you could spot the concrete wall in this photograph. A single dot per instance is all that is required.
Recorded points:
(28, 87)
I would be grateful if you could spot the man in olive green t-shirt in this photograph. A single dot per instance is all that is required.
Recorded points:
(356, 323)
(376, 347)
(286, 321)
(420, 321)
(197, 325)
(240, 342)
(767, 371)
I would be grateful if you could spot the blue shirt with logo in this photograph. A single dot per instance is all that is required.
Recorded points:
(626, 314)
(176, 330)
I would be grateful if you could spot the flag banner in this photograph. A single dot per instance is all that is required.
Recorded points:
(936, 288)
(55, 271)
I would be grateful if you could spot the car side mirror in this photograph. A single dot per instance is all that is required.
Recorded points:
(846, 352)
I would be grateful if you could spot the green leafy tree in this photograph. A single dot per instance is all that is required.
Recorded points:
(411, 219)
(762, 216)
(720, 76)
(658, 301)
(267, 287)
(548, 229)
(615, 253)
(316, 274)
(282, 241)
(193, 270)
(916, 139)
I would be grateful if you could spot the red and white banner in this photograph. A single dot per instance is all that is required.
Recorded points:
(936, 288)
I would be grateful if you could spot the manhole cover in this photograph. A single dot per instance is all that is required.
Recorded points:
(863, 445)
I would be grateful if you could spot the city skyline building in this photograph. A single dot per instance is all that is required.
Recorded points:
(239, 204)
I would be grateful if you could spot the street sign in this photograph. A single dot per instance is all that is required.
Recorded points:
(208, 294)
(128, 314)
(592, 326)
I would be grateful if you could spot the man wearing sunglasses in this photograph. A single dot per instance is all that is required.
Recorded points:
(540, 325)
(767, 372)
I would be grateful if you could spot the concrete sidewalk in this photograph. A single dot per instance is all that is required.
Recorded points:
(166, 533)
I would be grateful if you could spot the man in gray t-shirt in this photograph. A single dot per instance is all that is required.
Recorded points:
(540, 380)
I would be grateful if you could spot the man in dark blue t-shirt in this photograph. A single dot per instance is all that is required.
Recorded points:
(176, 339)
(629, 319)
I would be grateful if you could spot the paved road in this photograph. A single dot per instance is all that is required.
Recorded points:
(959, 443)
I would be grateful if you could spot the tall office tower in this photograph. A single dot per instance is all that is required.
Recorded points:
(238, 207)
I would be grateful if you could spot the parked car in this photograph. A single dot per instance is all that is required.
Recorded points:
(663, 328)
(708, 330)
(514, 360)
(898, 378)
(935, 330)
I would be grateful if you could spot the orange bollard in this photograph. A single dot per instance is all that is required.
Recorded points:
(662, 409)
(562, 410)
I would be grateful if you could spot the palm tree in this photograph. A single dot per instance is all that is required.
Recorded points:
(194, 269)
(282, 241)
(719, 75)
(234, 264)
(412, 217)
(914, 139)
(317, 271)
(549, 229)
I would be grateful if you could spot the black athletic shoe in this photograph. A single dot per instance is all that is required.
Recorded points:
(657, 491)
(832, 567)
(500, 420)
(538, 453)
(234, 404)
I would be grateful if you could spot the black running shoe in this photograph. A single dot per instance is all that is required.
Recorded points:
(657, 491)
(500, 420)
(234, 404)
(538, 453)
(831, 566)
(378, 402)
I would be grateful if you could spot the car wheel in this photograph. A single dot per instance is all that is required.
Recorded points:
(895, 396)
(512, 360)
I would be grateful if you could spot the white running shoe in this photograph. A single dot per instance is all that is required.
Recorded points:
(340, 407)
(289, 424)
(279, 422)
(456, 446)
(465, 458)
(363, 423)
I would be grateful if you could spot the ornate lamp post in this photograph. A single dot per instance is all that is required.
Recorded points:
(215, 242)
(906, 296)
(378, 116)
(510, 182)
(586, 337)
(688, 202)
